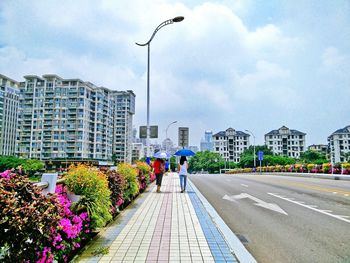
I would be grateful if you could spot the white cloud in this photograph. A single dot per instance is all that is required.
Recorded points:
(263, 82)
(269, 41)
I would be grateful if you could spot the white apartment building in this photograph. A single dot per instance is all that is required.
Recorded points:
(9, 94)
(285, 141)
(230, 144)
(321, 148)
(339, 145)
(123, 111)
(137, 151)
(68, 119)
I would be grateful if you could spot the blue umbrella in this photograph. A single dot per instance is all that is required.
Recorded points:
(162, 154)
(184, 152)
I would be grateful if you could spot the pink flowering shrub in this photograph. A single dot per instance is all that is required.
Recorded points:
(52, 229)
(25, 215)
(68, 234)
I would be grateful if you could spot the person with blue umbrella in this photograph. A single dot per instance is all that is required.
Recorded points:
(182, 168)
(184, 152)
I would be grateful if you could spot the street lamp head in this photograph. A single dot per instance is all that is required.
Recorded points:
(178, 19)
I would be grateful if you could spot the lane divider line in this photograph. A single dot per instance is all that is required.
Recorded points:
(340, 217)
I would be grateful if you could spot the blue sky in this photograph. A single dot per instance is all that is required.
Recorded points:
(255, 65)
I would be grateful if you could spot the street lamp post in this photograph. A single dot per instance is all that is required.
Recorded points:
(253, 147)
(166, 134)
(165, 23)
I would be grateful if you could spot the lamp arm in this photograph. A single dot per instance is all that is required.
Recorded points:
(165, 23)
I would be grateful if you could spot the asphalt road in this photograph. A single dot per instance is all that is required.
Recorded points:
(283, 218)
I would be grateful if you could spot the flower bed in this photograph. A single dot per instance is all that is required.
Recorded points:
(38, 228)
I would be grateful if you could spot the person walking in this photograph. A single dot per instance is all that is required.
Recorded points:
(159, 168)
(182, 167)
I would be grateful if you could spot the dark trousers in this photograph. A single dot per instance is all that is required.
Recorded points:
(159, 178)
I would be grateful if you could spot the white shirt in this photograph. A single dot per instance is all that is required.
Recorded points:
(183, 169)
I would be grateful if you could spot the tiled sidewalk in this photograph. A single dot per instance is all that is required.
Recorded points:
(164, 227)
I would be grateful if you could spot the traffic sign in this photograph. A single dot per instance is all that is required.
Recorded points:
(260, 155)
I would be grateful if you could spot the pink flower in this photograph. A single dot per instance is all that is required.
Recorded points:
(57, 238)
(76, 219)
(84, 216)
(46, 256)
(6, 174)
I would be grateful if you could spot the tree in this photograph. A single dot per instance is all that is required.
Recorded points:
(314, 157)
(173, 164)
(31, 166)
(206, 161)
(247, 157)
(346, 156)
(277, 160)
(9, 162)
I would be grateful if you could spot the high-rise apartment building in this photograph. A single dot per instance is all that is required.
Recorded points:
(123, 111)
(207, 143)
(9, 94)
(285, 141)
(339, 145)
(230, 144)
(71, 119)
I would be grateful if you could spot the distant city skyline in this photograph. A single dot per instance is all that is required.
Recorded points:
(255, 65)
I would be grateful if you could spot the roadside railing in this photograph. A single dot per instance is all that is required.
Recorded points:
(48, 182)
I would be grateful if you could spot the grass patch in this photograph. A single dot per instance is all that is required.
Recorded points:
(100, 251)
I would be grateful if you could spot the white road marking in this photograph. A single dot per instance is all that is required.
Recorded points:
(325, 212)
(244, 185)
(226, 197)
(261, 203)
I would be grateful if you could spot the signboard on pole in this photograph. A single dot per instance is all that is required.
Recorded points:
(260, 157)
(183, 136)
(153, 132)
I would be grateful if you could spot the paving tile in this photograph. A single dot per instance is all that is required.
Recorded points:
(165, 227)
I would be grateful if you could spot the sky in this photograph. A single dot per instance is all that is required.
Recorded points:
(244, 64)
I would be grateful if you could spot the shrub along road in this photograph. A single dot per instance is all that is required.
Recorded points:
(283, 218)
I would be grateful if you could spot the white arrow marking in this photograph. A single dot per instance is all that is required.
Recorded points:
(226, 197)
(325, 212)
(244, 185)
(259, 202)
